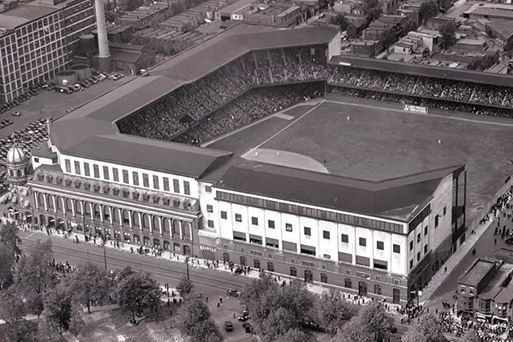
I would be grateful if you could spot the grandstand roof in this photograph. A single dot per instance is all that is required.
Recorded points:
(425, 70)
(90, 130)
(180, 159)
(236, 41)
(407, 194)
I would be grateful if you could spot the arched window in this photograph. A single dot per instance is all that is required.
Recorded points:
(324, 278)
(396, 296)
(256, 263)
(243, 261)
(293, 271)
(348, 283)
(270, 266)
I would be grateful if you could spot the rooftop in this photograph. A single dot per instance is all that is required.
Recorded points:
(24, 13)
(504, 28)
(477, 272)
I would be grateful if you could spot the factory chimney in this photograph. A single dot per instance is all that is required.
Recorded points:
(104, 61)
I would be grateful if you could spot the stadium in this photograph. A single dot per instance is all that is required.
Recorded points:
(265, 147)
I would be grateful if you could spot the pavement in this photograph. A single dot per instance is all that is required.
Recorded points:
(442, 286)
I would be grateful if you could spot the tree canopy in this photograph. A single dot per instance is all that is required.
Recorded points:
(89, 285)
(428, 10)
(185, 286)
(194, 321)
(139, 294)
(333, 311)
(372, 324)
(448, 35)
(426, 329)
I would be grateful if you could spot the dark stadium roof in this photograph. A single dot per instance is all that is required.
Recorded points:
(209, 56)
(403, 196)
(90, 130)
(425, 70)
(181, 159)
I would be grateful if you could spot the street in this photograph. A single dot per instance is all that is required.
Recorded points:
(207, 281)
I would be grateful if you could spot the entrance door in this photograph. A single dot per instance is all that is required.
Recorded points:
(362, 288)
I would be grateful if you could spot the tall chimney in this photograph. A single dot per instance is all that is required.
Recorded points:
(104, 61)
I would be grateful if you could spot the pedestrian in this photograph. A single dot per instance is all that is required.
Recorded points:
(221, 300)
(206, 298)
(218, 304)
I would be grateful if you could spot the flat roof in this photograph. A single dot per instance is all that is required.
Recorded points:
(503, 28)
(340, 193)
(493, 11)
(22, 14)
(477, 272)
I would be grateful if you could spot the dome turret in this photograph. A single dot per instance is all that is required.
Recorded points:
(16, 155)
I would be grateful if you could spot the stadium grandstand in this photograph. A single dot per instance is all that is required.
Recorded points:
(125, 167)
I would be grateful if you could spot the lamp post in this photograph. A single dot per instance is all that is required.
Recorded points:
(105, 254)
(187, 267)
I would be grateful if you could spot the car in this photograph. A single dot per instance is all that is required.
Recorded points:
(76, 87)
(63, 89)
(228, 326)
(244, 316)
(233, 293)
(16, 113)
(247, 327)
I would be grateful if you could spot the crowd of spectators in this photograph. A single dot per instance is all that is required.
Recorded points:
(251, 106)
(458, 326)
(189, 104)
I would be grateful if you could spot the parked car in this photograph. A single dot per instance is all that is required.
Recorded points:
(247, 327)
(76, 87)
(244, 316)
(228, 326)
(233, 293)
(16, 113)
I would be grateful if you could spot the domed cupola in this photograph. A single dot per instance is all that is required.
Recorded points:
(17, 165)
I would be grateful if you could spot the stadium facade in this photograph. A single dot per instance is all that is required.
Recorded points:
(382, 239)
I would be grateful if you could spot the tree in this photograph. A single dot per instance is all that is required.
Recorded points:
(296, 335)
(339, 20)
(194, 321)
(6, 266)
(139, 294)
(277, 324)
(333, 311)
(374, 319)
(89, 285)
(387, 38)
(206, 331)
(57, 308)
(428, 10)
(12, 308)
(34, 275)
(76, 323)
(9, 236)
(426, 329)
(351, 30)
(444, 5)
(185, 286)
(354, 331)
(20, 331)
(448, 38)
(472, 336)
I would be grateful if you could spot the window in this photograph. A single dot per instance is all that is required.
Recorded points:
(411, 245)
(77, 167)
(176, 186)
(270, 224)
(36, 159)
(208, 188)
(256, 263)
(96, 171)
(106, 174)
(362, 242)
(396, 248)
(156, 184)
(436, 221)
(380, 245)
(418, 238)
(115, 174)
(146, 180)
(288, 227)
(411, 263)
(293, 271)
(67, 163)
(324, 278)
(425, 249)
(210, 224)
(125, 176)
(345, 238)
(347, 283)
(396, 296)
(224, 215)
(87, 172)
(425, 230)
(254, 221)
(326, 234)
(377, 289)
(238, 217)
(166, 183)
(210, 208)
(186, 188)
(445, 210)
(418, 256)
(307, 231)
(135, 177)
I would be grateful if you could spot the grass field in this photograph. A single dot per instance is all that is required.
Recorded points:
(375, 141)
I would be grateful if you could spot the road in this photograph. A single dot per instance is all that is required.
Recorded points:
(209, 282)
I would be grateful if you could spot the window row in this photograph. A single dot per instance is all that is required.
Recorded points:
(126, 176)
